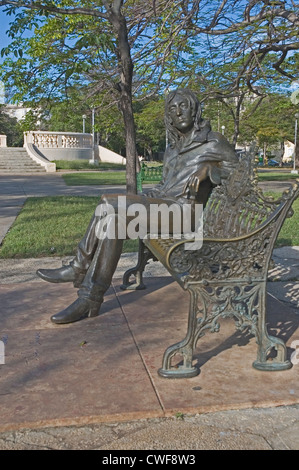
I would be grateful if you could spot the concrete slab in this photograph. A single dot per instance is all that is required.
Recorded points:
(286, 266)
(287, 292)
(78, 373)
(227, 379)
(105, 369)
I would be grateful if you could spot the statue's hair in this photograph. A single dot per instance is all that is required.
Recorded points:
(173, 133)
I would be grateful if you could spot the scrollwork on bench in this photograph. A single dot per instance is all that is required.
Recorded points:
(227, 276)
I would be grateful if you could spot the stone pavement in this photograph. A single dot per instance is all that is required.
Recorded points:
(94, 384)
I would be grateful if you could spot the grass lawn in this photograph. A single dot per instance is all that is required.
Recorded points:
(289, 234)
(119, 177)
(94, 178)
(276, 176)
(85, 165)
(53, 226)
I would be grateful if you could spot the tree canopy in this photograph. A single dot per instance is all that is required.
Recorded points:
(111, 54)
(10, 127)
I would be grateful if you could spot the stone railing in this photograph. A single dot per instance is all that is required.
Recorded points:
(67, 146)
(44, 139)
(61, 145)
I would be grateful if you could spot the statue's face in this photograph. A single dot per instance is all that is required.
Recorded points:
(181, 114)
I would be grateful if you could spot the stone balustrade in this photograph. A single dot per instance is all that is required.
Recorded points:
(51, 146)
(63, 140)
(61, 145)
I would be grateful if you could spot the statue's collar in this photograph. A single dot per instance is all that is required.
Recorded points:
(195, 137)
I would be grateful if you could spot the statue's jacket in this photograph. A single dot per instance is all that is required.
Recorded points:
(203, 148)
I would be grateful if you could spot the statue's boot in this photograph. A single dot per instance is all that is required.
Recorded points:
(64, 274)
(81, 308)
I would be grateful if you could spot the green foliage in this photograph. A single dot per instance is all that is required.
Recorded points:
(272, 122)
(58, 57)
(11, 128)
(69, 61)
(151, 128)
(31, 121)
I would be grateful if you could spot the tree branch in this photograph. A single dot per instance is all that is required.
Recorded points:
(53, 9)
(262, 16)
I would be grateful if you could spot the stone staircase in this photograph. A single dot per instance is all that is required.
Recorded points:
(16, 160)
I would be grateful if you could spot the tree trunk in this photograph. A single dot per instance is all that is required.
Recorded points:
(125, 65)
(265, 154)
(237, 118)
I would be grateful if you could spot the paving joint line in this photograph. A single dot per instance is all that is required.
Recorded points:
(140, 354)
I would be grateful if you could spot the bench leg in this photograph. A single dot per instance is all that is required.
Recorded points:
(247, 308)
(267, 343)
(183, 348)
(143, 257)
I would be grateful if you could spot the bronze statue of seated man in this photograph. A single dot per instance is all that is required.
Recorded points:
(195, 160)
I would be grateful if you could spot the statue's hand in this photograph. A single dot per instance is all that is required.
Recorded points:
(192, 185)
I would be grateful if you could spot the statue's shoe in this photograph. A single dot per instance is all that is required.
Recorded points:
(81, 308)
(63, 274)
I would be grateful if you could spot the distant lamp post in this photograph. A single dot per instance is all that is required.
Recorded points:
(84, 117)
(223, 129)
(295, 143)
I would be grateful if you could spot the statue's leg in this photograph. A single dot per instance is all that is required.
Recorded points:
(96, 281)
(87, 246)
(100, 272)
(106, 251)
(133, 277)
(77, 268)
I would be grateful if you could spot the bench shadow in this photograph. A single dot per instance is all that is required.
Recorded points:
(283, 328)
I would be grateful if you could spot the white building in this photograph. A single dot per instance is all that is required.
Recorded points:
(17, 111)
(289, 149)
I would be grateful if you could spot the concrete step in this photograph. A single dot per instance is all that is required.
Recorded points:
(16, 160)
(27, 167)
(20, 171)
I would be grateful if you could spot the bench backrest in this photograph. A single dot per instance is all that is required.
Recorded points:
(240, 228)
(238, 206)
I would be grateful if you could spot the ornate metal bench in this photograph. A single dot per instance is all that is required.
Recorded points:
(227, 276)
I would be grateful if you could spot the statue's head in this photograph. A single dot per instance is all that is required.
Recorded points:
(182, 114)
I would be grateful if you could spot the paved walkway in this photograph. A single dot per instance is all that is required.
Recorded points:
(94, 384)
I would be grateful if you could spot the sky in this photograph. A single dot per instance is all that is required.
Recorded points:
(4, 26)
(4, 42)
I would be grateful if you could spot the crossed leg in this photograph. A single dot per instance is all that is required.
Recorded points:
(97, 257)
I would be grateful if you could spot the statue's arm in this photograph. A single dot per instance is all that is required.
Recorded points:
(206, 170)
